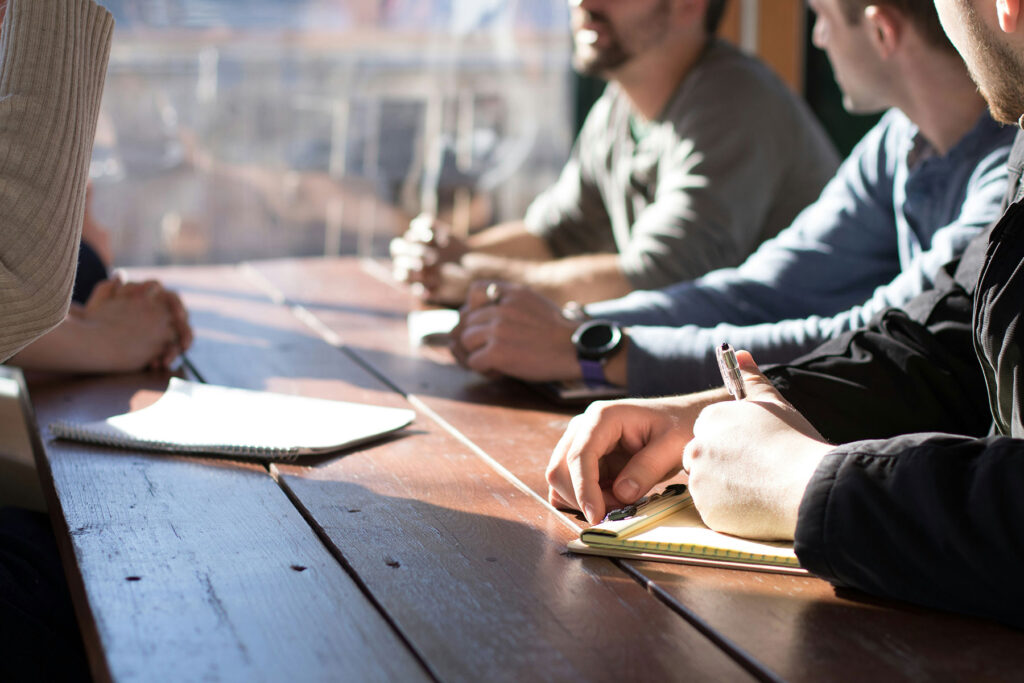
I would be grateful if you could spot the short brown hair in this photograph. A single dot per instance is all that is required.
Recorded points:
(713, 15)
(920, 12)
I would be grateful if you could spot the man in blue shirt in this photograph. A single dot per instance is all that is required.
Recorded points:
(911, 195)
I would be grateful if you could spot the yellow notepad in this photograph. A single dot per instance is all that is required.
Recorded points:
(668, 527)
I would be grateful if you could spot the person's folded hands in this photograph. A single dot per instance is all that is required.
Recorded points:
(427, 256)
(134, 326)
(511, 330)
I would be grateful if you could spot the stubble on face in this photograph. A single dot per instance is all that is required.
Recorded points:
(996, 68)
(624, 42)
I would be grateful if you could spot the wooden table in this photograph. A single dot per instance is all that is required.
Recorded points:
(430, 555)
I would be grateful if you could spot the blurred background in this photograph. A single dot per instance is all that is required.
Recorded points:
(237, 129)
(241, 129)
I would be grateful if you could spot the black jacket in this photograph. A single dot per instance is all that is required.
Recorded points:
(925, 500)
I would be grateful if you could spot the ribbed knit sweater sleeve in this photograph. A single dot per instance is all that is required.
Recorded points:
(54, 59)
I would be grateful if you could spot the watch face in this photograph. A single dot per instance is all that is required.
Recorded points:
(597, 338)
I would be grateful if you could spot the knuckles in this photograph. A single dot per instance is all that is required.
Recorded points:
(600, 411)
(551, 474)
(692, 455)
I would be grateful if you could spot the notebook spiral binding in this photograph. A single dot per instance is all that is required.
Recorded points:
(69, 429)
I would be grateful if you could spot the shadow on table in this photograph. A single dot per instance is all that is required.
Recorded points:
(187, 290)
(800, 620)
(283, 356)
(480, 584)
(427, 377)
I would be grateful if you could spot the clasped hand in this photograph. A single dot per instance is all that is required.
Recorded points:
(520, 333)
(748, 462)
(136, 325)
(427, 256)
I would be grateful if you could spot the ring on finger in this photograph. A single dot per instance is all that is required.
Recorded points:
(493, 293)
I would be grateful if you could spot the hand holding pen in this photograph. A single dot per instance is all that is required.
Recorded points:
(617, 451)
(750, 460)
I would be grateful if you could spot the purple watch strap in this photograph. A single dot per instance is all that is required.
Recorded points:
(593, 371)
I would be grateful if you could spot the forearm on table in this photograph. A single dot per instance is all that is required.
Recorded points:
(54, 56)
(69, 347)
(661, 376)
(583, 279)
(586, 278)
(510, 240)
(748, 295)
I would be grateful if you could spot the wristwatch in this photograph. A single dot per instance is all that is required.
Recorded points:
(596, 341)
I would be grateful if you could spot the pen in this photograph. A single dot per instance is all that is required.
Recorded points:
(730, 368)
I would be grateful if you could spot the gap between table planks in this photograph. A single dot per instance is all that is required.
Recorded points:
(468, 568)
(797, 627)
(195, 568)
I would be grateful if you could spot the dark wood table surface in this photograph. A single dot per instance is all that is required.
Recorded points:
(428, 555)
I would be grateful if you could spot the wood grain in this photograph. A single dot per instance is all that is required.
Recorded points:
(466, 565)
(798, 627)
(505, 418)
(199, 569)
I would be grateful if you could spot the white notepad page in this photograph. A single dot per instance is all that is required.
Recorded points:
(201, 418)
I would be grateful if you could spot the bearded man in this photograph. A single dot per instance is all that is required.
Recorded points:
(694, 155)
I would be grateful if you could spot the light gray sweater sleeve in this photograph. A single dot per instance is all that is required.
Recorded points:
(54, 57)
(836, 252)
(717, 187)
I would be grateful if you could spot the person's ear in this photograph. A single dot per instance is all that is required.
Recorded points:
(885, 28)
(1008, 12)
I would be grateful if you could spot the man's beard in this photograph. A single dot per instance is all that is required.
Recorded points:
(999, 73)
(601, 61)
(605, 60)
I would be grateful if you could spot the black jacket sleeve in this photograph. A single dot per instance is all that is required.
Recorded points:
(933, 519)
(911, 370)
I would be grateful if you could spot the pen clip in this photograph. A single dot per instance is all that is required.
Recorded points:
(636, 508)
(730, 369)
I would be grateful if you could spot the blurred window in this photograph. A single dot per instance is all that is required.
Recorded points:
(237, 129)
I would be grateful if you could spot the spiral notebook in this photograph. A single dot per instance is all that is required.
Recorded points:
(201, 418)
(667, 527)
